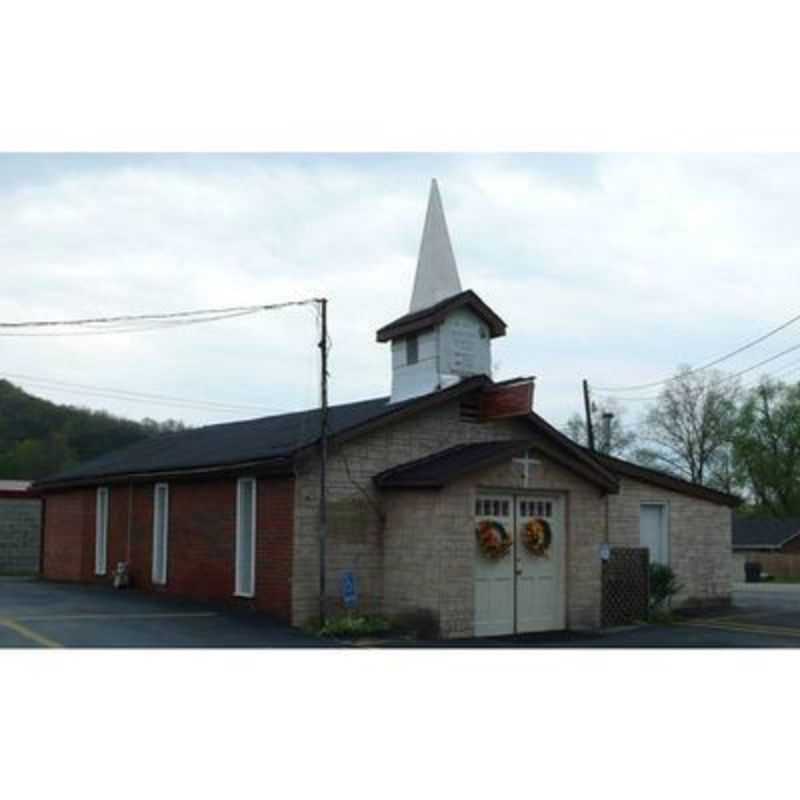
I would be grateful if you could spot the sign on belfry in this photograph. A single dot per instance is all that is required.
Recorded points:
(349, 590)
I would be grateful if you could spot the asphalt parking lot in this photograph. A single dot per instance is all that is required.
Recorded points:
(41, 614)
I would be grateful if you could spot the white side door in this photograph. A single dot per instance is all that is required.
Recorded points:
(540, 580)
(494, 578)
(653, 531)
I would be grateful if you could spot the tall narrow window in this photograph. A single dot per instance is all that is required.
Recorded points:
(160, 532)
(101, 533)
(412, 350)
(245, 537)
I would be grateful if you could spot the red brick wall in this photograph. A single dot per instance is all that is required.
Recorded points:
(201, 539)
(68, 540)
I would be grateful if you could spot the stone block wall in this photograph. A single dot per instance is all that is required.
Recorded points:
(20, 535)
(699, 538)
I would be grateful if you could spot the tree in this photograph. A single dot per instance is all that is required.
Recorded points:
(766, 447)
(621, 439)
(689, 430)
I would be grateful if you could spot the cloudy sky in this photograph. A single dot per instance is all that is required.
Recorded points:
(611, 267)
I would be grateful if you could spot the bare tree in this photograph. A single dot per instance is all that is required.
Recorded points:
(621, 438)
(689, 430)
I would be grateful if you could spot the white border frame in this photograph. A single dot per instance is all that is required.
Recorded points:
(237, 580)
(160, 580)
(101, 530)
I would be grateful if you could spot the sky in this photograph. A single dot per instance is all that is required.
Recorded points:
(615, 268)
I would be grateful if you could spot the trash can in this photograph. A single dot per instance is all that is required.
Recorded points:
(752, 572)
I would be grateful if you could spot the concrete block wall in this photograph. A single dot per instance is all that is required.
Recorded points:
(430, 546)
(699, 538)
(20, 535)
(357, 510)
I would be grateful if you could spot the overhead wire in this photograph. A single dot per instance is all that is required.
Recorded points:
(714, 362)
(137, 323)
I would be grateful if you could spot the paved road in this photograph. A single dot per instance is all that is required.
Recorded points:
(42, 614)
(775, 596)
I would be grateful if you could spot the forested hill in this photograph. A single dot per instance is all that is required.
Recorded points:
(38, 438)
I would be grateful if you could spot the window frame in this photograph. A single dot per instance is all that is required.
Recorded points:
(102, 508)
(160, 580)
(238, 591)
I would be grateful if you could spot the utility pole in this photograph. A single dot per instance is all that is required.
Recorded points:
(323, 455)
(588, 406)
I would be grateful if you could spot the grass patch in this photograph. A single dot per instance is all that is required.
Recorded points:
(776, 579)
(351, 626)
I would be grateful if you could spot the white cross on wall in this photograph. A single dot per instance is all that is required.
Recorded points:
(527, 462)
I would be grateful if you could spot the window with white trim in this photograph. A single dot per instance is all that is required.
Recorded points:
(160, 532)
(245, 537)
(101, 532)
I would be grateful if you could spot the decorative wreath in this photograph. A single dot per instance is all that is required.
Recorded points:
(493, 539)
(537, 536)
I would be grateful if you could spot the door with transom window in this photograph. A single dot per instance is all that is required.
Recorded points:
(522, 589)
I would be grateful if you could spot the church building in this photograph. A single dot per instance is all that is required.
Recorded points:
(451, 499)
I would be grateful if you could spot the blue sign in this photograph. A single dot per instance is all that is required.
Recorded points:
(349, 590)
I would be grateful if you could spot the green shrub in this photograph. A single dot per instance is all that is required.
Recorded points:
(664, 586)
(352, 626)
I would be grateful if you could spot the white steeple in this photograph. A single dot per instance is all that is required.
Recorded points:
(437, 274)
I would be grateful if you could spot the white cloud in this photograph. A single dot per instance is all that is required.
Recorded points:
(613, 268)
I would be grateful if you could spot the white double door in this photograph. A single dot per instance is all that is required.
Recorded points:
(520, 592)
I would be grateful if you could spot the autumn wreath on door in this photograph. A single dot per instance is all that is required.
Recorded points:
(537, 536)
(494, 540)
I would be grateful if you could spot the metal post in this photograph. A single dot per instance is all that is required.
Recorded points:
(587, 405)
(323, 457)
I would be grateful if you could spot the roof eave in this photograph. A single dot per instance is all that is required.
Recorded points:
(282, 465)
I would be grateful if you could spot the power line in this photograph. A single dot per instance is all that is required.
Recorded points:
(137, 323)
(126, 394)
(725, 379)
(710, 364)
(163, 316)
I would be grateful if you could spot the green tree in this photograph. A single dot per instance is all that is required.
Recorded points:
(766, 447)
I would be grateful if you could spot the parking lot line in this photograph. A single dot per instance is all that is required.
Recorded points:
(154, 615)
(28, 633)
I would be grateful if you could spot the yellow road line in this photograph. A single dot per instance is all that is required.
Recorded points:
(62, 617)
(28, 633)
(772, 630)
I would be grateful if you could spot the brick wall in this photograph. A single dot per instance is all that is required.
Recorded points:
(20, 535)
(201, 539)
(355, 537)
(356, 531)
(430, 545)
(699, 538)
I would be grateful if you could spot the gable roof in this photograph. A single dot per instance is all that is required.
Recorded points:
(753, 533)
(433, 315)
(437, 470)
(269, 442)
(665, 481)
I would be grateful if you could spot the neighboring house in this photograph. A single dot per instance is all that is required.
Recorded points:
(231, 512)
(774, 543)
(20, 528)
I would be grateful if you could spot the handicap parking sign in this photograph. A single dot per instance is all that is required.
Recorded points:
(349, 590)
